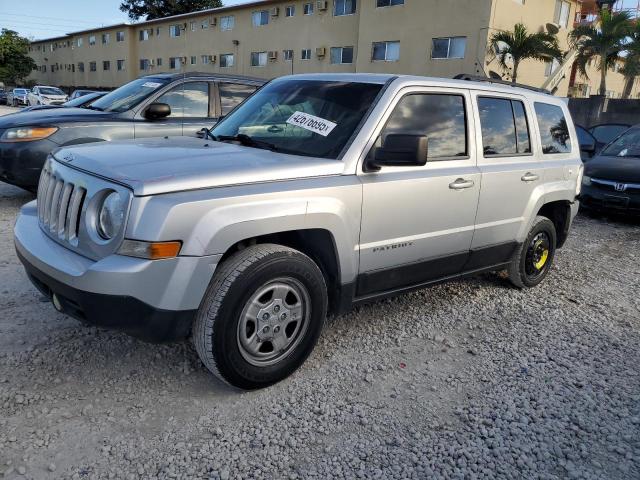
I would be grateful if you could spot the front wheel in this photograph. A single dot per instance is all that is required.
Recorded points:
(261, 316)
(534, 259)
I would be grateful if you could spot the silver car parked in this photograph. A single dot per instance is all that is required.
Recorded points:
(318, 193)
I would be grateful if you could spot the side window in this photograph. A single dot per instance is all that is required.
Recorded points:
(232, 94)
(188, 100)
(442, 118)
(554, 132)
(505, 130)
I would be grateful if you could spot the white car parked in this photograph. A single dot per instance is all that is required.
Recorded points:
(43, 95)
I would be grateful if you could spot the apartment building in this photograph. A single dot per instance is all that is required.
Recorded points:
(270, 38)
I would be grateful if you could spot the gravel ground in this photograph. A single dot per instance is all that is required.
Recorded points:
(467, 380)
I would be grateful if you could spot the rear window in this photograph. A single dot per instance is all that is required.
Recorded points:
(505, 130)
(554, 131)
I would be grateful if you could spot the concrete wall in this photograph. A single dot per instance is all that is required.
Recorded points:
(592, 111)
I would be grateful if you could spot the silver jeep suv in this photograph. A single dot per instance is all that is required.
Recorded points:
(318, 193)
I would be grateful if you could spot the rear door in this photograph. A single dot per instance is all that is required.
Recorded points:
(511, 171)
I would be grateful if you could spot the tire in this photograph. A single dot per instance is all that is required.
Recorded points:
(534, 259)
(251, 284)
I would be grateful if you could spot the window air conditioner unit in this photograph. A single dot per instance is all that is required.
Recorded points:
(273, 55)
(214, 21)
(152, 63)
(321, 51)
(213, 58)
(275, 11)
(322, 4)
(183, 60)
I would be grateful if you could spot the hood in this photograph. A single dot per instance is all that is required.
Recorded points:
(52, 116)
(163, 165)
(617, 169)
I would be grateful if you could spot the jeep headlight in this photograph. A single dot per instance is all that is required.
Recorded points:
(27, 134)
(110, 216)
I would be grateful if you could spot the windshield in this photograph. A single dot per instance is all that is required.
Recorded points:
(20, 91)
(51, 91)
(302, 117)
(128, 96)
(79, 101)
(606, 133)
(627, 145)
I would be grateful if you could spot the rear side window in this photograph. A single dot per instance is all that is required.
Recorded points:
(231, 94)
(554, 132)
(442, 118)
(505, 130)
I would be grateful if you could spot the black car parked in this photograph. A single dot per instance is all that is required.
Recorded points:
(612, 179)
(3, 97)
(151, 106)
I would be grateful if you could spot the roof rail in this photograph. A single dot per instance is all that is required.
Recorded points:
(478, 78)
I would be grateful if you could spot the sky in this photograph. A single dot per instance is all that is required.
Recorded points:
(37, 19)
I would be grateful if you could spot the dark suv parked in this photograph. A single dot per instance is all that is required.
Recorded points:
(151, 106)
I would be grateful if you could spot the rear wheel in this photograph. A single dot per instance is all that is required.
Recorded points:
(534, 259)
(261, 316)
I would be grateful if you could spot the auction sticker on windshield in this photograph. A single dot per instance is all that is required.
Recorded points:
(312, 123)
(151, 84)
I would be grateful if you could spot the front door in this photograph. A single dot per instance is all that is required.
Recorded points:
(418, 222)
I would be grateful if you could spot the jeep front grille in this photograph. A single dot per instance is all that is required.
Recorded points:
(60, 206)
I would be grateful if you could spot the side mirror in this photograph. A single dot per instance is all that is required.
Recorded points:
(156, 111)
(400, 150)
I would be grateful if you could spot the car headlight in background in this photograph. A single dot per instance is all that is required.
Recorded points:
(27, 134)
(110, 216)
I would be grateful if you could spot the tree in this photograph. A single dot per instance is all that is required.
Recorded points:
(631, 69)
(602, 43)
(151, 9)
(15, 62)
(521, 45)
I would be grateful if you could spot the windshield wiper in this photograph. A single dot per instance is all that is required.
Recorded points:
(245, 140)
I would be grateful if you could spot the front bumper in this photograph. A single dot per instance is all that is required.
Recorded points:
(22, 162)
(599, 197)
(152, 300)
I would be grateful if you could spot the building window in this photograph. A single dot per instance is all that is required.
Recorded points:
(157, 31)
(106, 38)
(258, 59)
(174, 63)
(388, 3)
(81, 66)
(205, 24)
(159, 61)
(505, 130)
(106, 65)
(119, 36)
(341, 55)
(308, 9)
(288, 55)
(80, 42)
(562, 13)
(453, 47)
(194, 60)
(290, 11)
(144, 35)
(92, 39)
(306, 54)
(260, 18)
(92, 66)
(385, 52)
(551, 67)
(227, 23)
(174, 31)
(553, 129)
(424, 114)
(344, 7)
(120, 65)
(144, 64)
(226, 60)
(193, 26)
(204, 59)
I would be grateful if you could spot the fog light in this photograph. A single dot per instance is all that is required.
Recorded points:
(56, 303)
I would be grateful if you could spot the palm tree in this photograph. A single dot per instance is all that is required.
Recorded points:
(631, 69)
(521, 45)
(602, 42)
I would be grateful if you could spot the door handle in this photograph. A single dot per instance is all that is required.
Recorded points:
(530, 177)
(461, 184)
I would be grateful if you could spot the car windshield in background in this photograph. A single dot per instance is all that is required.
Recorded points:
(51, 91)
(627, 145)
(128, 96)
(606, 133)
(300, 117)
(20, 91)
